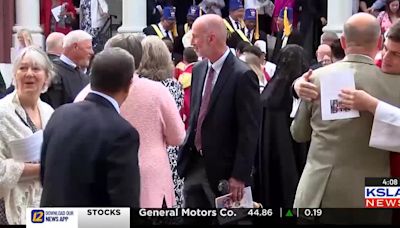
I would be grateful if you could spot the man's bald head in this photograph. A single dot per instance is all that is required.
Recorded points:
(54, 43)
(324, 54)
(209, 36)
(362, 30)
(323, 48)
(212, 25)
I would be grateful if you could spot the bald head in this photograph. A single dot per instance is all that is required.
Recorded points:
(212, 25)
(324, 54)
(54, 43)
(362, 30)
(324, 48)
(209, 36)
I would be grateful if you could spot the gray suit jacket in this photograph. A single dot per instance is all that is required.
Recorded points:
(339, 158)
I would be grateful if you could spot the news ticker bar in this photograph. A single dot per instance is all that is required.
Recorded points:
(284, 213)
(265, 216)
(382, 181)
(124, 217)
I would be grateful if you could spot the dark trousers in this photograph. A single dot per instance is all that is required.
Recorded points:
(197, 191)
(198, 194)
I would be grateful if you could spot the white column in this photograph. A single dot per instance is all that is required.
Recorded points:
(338, 12)
(133, 16)
(27, 14)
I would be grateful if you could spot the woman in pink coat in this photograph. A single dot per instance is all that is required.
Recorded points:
(151, 109)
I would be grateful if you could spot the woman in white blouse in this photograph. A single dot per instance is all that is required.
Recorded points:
(22, 114)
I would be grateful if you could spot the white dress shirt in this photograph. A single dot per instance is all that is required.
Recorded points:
(68, 61)
(270, 68)
(234, 23)
(217, 66)
(164, 31)
(110, 99)
(246, 30)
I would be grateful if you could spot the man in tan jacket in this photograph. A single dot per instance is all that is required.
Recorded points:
(339, 157)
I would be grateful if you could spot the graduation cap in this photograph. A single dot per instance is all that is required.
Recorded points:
(289, 14)
(251, 14)
(193, 12)
(235, 4)
(169, 13)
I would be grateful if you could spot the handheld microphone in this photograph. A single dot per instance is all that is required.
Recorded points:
(223, 187)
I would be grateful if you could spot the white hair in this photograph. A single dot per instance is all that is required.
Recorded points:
(76, 36)
(40, 59)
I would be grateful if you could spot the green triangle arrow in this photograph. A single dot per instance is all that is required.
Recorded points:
(289, 213)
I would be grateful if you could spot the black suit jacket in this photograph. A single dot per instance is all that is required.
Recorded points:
(231, 126)
(294, 38)
(233, 38)
(89, 157)
(178, 46)
(65, 86)
(149, 30)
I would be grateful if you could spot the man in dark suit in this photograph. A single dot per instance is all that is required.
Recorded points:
(164, 29)
(233, 23)
(192, 14)
(251, 30)
(167, 29)
(90, 153)
(70, 78)
(313, 17)
(286, 34)
(224, 122)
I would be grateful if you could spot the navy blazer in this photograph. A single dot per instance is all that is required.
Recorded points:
(89, 157)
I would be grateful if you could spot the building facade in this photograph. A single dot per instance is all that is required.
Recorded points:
(132, 13)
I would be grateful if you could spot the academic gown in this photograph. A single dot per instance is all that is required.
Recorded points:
(280, 160)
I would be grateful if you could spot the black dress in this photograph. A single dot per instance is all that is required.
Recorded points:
(280, 160)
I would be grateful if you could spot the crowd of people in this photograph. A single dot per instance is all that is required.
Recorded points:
(193, 111)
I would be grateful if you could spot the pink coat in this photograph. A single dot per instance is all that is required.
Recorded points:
(151, 109)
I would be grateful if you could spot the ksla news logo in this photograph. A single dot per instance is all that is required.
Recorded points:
(37, 216)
